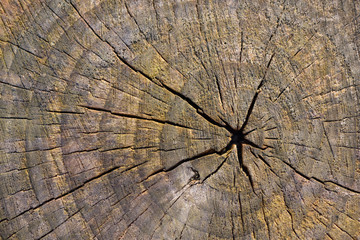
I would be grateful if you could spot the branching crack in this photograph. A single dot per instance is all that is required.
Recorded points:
(179, 163)
(160, 83)
(239, 136)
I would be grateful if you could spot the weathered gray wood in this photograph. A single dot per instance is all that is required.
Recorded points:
(127, 119)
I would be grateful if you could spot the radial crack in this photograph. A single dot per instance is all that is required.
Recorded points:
(258, 90)
(198, 109)
(216, 170)
(128, 115)
(160, 83)
(245, 169)
(107, 172)
(179, 163)
(315, 178)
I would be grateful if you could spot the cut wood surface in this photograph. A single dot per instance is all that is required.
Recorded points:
(155, 119)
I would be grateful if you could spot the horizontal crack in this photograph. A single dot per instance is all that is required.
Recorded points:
(128, 115)
(200, 155)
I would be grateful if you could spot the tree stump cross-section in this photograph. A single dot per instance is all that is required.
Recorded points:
(158, 119)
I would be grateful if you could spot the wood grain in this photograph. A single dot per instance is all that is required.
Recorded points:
(156, 119)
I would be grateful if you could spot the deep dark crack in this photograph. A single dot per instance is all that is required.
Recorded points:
(238, 136)
(238, 139)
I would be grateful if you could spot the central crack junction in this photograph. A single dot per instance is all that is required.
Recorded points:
(238, 137)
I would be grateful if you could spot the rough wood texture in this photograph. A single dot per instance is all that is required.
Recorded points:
(154, 119)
